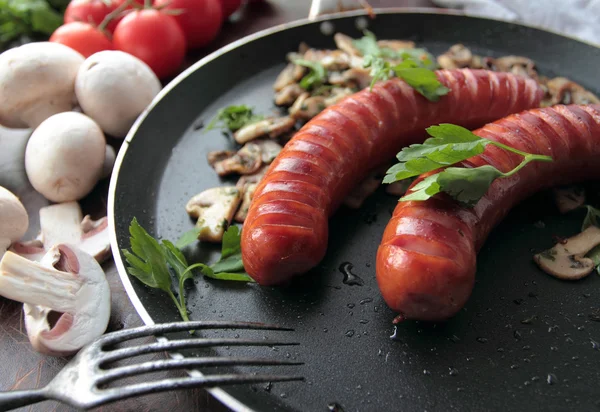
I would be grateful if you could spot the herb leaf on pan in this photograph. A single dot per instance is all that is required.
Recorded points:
(315, 77)
(153, 263)
(233, 118)
(451, 144)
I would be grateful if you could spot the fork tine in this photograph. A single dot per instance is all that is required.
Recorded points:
(158, 329)
(171, 345)
(168, 364)
(190, 382)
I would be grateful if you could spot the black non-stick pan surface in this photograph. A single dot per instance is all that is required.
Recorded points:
(524, 342)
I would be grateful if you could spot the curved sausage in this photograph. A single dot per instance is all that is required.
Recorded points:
(427, 258)
(285, 232)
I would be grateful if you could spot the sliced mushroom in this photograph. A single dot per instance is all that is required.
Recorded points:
(14, 220)
(568, 198)
(566, 260)
(521, 66)
(249, 179)
(346, 44)
(242, 212)
(289, 75)
(329, 59)
(364, 189)
(456, 57)
(287, 95)
(67, 281)
(269, 149)
(563, 91)
(306, 107)
(218, 156)
(337, 94)
(247, 160)
(272, 127)
(64, 223)
(396, 44)
(359, 77)
(214, 208)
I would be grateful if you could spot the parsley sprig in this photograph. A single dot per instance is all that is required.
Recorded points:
(154, 263)
(233, 118)
(316, 75)
(416, 66)
(449, 145)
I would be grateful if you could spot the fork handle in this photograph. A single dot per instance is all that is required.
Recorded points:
(15, 399)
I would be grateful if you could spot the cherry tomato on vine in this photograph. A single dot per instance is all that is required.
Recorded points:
(153, 37)
(200, 20)
(91, 11)
(82, 37)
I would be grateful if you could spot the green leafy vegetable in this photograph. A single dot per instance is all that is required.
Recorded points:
(421, 79)
(234, 118)
(28, 17)
(416, 67)
(315, 77)
(188, 238)
(153, 263)
(449, 145)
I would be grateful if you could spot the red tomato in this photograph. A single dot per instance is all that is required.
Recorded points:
(199, 19)
(230, 6)
(153, 37)
(91, 11)
(82, 37)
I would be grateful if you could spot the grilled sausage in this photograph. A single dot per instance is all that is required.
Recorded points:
(427, 259)
(286, 230)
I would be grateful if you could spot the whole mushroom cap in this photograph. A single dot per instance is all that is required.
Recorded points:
(13, 218)
(64, 156)
(37, 80)
(114, 88)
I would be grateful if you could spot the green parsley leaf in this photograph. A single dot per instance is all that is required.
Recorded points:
(315, 77)
(233, 118)
(367, 45)
(448, 145)
(380, 69)
(27, 17)
(230, 266)
(451, 144)
(422, 80)
(188, 237)
(592, 218)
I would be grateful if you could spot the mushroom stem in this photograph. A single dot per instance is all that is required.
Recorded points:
(38, 284)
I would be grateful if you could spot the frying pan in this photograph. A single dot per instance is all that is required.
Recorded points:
(524, 341)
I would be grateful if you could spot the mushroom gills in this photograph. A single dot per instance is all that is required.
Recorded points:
(566, 260)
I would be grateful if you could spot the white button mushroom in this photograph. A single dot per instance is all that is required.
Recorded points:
(64, 156)
(13, 219)
(37, 80)
(68, 282)
(114, 88)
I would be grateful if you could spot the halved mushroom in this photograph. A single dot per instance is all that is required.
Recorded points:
(269, 149)
(247, 160)
(306, 107)
(288, 94)
(14, 220)
(566, 260)
(214, 208)
(242, 212)
(517, 65)
(64, 223)
(396, 44)
(346, 44)
(287, 76)
(68, 282)
(272, 127)
(568, 198)
(456, 57)
(564, 91)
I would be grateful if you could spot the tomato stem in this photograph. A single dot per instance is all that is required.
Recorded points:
(113, 14)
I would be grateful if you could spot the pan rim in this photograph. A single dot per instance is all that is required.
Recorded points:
(220, 394)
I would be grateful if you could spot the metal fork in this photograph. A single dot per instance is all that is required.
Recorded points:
(79, 382)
